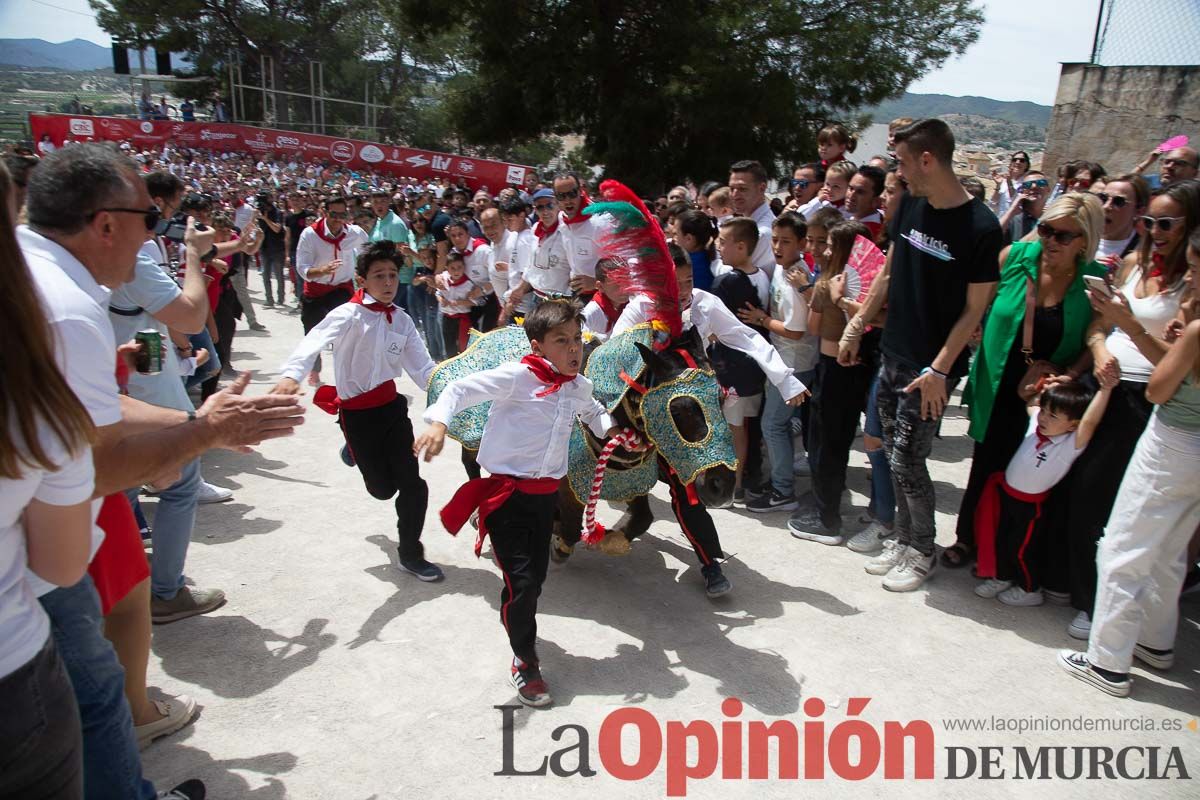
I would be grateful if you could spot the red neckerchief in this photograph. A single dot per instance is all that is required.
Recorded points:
(382, 308)
(826, 164)
(336, 241)
(1159, 266)
(1042, 439)
(547, 374)
(584, 202)
(541, 232)
(472, 245)
(457, 281)
(611, 312)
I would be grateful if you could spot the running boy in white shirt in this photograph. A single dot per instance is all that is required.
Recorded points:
(604, 309)
(1008, 519)
(375, 342)
(543, 392)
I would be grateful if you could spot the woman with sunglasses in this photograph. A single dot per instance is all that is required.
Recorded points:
(1008, 183)
(1126, 341)
(1047, 268)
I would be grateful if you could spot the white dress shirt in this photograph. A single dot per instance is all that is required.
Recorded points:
(520, 248)
(579, 242)
(85, 348)
(525, 436)
(712, 320)
(313, 251)
(763, 256)
(595, 321)
(1035, 469)
(478, 260)
(550, 272)
(367, 349)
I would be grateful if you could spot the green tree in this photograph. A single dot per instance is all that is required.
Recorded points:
(666, 91)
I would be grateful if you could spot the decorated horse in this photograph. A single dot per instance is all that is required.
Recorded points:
(654, 379)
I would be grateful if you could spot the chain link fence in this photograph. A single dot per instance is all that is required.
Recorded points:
(1147, 33)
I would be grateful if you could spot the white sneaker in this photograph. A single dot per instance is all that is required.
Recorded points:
(1016, 596)
(1077, 666)
(1081, 626)
(800, 465)
(212, 494)
(910, 572)
(871, 538)
(1057, 598)
(1159, 659)
(991, 587)
(882, 564)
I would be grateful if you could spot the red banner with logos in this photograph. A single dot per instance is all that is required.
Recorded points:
(223, 137)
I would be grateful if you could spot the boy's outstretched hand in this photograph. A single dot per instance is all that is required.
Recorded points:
(431, 441)
(286, 386)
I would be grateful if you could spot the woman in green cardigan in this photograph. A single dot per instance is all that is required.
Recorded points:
(1055, 257)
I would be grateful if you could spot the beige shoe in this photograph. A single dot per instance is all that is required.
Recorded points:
(176, 712)
(187, 602)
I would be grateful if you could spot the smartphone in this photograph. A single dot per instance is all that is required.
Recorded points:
(1098, 285)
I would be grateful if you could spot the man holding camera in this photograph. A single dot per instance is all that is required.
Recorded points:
(272, 254)
(1022, 215)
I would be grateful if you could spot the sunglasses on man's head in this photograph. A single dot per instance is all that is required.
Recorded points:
(1164, 224)
(799, 183)
(1047, 231)
(1117, 200)
(152, 215)
(1037, 183)
(571, 195)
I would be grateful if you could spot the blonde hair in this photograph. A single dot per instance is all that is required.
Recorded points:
(1087, 212)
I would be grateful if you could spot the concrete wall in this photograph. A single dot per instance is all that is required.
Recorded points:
(1116, 115)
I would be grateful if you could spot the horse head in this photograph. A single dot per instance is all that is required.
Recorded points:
(680, 411)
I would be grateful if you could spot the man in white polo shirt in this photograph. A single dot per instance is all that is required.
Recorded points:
(748, 191)
(89, 213)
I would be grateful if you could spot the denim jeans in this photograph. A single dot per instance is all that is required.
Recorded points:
(112, 767)
(172, 530)
(41, 744)
(777, 433)
(883, 494)
(272, 268)
(908, 440)
(211, 367)
(433, 328)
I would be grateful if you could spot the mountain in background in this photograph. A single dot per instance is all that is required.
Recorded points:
(77, 55)
(939, 105)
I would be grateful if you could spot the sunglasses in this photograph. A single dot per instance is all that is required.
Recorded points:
(1020, 160)
(799, 183)
(1047, 231)
(571, 195)
(1117, 200)
(337, 215)
(1039, 183)
(543, 207)
(1164, 224)
(152, 215)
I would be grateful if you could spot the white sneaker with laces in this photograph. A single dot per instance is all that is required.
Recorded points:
(882, 564)
(991, 587)
(1016, 596)
(871, 538)
(1081, 626)
(1057, 598)
(212, 494)
(910, 572)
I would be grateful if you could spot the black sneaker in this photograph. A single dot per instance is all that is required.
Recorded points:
(715, 582)
(772, 501)
(188, 790)
(347, 456)
(422, 569)
(527, 680)
(807, 524)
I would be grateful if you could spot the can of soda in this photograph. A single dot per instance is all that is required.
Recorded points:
(149, 357)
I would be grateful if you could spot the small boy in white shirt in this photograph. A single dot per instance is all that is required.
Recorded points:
(517, 502)
(1008, 519)
(456, 294)
(374, 342)
(604, 309)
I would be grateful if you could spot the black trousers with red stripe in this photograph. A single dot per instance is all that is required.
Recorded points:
(1017, 541)
(520, 533)
(694, 519)
(381, 440)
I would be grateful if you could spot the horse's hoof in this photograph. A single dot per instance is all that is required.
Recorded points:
(560, 551)
(614, 543)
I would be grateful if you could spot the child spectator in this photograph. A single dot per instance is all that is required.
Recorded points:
(695, 232)
(517, 503)
(604, 309)
(456, 295)
(833, 142)
(720, 204)
(833, 193)
(1008, 519)
(374, 342)
(787, 324)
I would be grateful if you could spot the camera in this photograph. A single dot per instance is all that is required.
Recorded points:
(172, 228)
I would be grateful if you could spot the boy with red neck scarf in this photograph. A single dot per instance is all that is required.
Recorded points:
(604, 309)
(456, 294)
(374, 342)
(477, 256)
(543, 392)
(325, 261)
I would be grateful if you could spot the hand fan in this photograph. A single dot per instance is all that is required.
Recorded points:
(1172, 143)
(865, 262)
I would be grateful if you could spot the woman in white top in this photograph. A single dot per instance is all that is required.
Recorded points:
(1126, 341)
(46, 484)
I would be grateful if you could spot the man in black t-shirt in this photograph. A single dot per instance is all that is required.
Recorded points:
(295, 221)
(272, 254)
(941, 274)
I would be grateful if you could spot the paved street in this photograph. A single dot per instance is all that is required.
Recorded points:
(330, 674)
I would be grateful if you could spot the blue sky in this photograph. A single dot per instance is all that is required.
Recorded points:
(1016, 58)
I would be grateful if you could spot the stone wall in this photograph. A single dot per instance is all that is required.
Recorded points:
(1116, 115)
